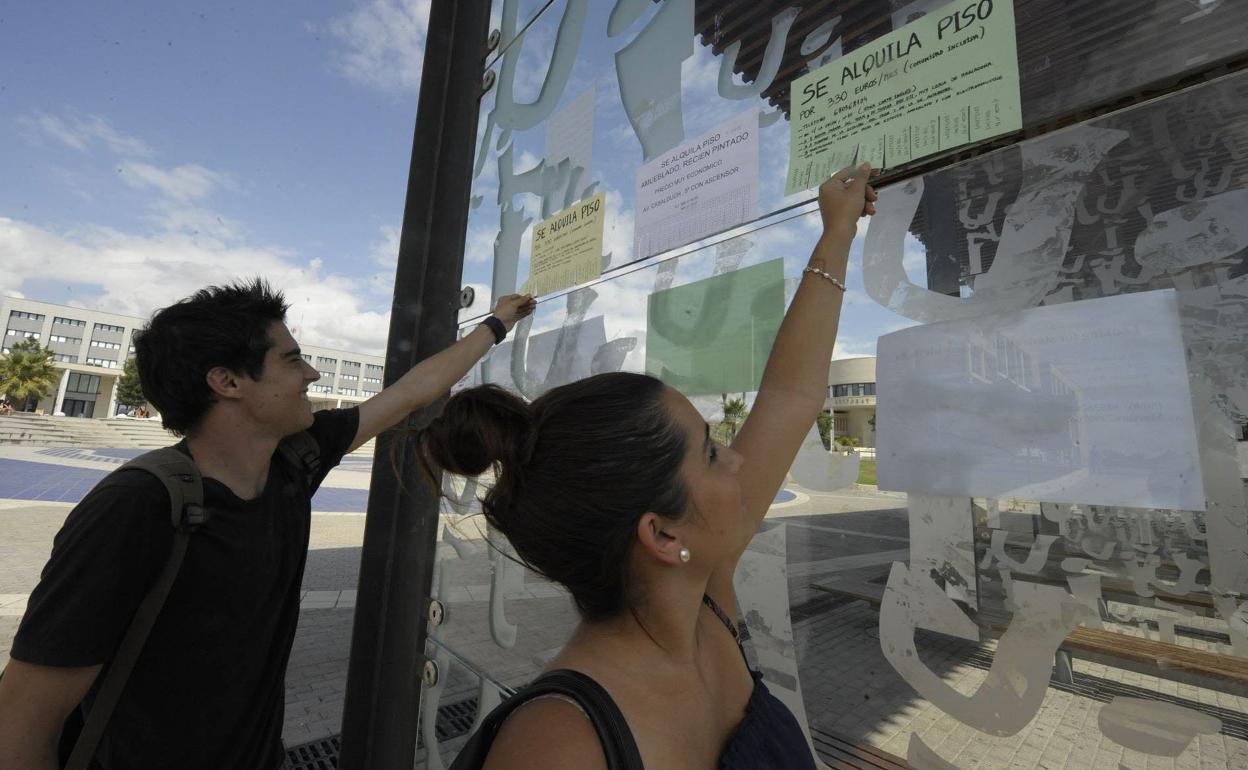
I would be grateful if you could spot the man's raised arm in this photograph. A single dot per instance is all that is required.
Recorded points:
(429, 379)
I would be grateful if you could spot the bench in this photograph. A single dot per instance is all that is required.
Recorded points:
(1226, 673)
(841, 753)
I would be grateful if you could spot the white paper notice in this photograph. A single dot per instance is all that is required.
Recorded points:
(1083, 402)
(570, 134)
(702, 187)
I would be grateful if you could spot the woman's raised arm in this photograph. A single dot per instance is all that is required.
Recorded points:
(795, 382)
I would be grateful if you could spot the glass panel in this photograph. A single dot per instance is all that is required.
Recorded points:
(592, 92)
(453, 707)
(949, 630)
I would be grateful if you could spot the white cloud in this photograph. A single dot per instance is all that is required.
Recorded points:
(386, 247)
(187, 182)
(81, 132)
(383, 44)
(914, 260)
(134, 275)
(195, 221)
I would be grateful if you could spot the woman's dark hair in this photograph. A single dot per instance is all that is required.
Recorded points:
(217, 326)
(577, 468)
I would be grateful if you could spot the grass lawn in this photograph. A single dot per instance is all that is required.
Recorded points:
(866, 472)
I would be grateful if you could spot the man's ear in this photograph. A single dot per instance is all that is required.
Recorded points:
(657, 538)
(223, 382)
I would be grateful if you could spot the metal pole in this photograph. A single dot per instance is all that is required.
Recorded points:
(379, 724)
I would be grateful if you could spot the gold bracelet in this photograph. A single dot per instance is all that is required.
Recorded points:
(835, 281)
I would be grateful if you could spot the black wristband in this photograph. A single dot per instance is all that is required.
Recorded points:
(496, 326)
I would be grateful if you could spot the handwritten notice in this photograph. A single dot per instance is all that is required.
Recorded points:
(948, 79)
(699, 188)
(567, 247)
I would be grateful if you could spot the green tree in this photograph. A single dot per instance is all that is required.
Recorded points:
(824, 422)
(734, 414)
(27, 373)
(129, 391)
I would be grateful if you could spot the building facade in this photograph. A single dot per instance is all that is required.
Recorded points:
(90, 348)
(851, 398)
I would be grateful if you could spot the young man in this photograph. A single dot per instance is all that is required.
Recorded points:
(208, 690)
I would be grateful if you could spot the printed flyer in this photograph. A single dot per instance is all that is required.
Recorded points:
(702, 187)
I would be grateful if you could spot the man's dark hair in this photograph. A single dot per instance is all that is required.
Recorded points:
(217, 326)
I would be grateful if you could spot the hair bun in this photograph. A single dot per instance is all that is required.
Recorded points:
(477, 428)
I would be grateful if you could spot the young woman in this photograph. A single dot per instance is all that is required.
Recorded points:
(612, 487)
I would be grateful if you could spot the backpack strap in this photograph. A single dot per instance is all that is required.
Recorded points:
(185, 486)
(301, 451)
(617, 740)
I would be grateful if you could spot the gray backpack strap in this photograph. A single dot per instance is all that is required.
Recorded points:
(301, 451)
(186, 506)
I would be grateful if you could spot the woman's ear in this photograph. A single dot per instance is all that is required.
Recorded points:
(656, 536)
(222, 381)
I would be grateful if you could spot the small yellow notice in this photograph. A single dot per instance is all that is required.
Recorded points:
(567, 248)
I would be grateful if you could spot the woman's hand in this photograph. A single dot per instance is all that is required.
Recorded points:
(510, 308)
(844, 198)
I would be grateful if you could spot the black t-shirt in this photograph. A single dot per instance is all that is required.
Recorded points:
(208, 690)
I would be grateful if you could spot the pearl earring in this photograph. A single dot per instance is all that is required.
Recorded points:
(684, 555)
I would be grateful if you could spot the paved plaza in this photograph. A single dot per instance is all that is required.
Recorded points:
(848, 687)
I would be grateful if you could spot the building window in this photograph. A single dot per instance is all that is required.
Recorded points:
(323, 361)
(853, 389)
(374, 369)
(24, 315)
(348, 377)
(109, 328)
(348, 391)
(104, 362)
(373, 380)
(327, 375)
(352, 364)
(80, 382)
(63, 338)
(68, 321)
(106, 345)
(20, 333)
(64, 358)
(320, 389)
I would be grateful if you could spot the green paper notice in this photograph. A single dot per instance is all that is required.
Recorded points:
(714, 335)
(948, 79)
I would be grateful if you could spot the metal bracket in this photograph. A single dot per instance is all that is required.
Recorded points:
(430, 673)
(496, 37)
(466, 296)
(437, 612)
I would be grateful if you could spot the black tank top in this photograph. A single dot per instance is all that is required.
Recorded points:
(769, 736)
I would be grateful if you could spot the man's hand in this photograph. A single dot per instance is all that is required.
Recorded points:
(510, 308)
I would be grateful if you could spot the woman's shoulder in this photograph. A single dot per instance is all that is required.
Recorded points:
(548, 733)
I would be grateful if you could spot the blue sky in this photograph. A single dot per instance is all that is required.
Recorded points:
(149, 148)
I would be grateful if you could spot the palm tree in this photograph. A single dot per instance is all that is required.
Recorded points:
(734, 414)
(27, 372)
